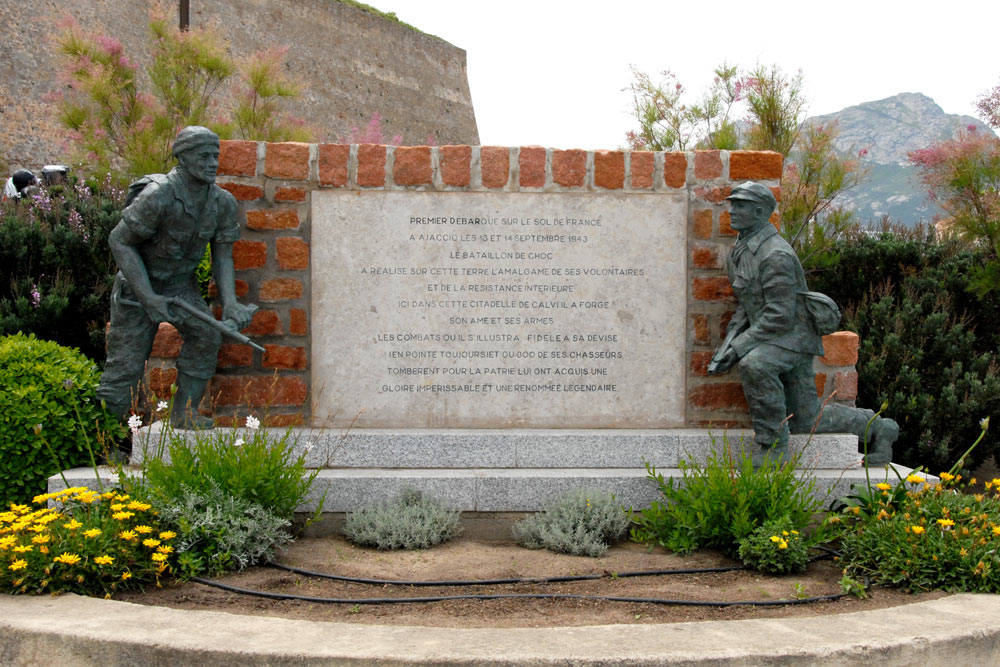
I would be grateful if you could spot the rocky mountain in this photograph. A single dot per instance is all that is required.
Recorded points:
(889, 129)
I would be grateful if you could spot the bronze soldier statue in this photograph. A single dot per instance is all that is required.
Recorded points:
(773, 337)
(167, 222)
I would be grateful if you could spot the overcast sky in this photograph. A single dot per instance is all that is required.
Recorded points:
(551, 72)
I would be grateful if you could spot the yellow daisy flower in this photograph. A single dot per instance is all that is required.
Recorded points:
(121, 516)
(67, 558)
(151, 543)
(168, 535)
(104, 560)
(143, 529)
(93, 532)
(127, 535)
(19, 564)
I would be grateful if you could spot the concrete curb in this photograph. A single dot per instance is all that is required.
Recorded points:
(77, 631)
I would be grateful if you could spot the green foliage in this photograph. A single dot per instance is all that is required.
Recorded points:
(91, 543)
(933, 536)
(49, 416)
(410, 521)
(776, 105)
(115, 124)
(219, 532)
(775, 547)
(56, 270)
(261, 469)
(718, 504)
(582, 522)
(928, 343)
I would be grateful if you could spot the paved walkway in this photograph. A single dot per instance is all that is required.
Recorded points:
(71, 631)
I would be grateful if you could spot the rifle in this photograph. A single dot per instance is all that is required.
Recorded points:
(727, 344)
(205, 317)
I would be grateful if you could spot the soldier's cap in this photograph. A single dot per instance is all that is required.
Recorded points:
(755, 192)
(192, 137)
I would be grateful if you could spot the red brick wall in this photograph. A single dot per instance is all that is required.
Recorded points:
(272, 184)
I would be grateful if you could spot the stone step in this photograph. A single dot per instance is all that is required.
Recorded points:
(520, 448)
(500, 490)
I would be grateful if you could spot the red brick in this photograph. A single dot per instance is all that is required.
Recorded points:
(235, 355)
(569, 168)
(703, 223)
(718, 396)
(249, 254)
(713, 195)
(845, 385)
(289, 195)
(333, 164)
(298, 323)
(840, 348)
(754, 165)
(531, 165)
(243, 192)
(273, 218)
(495, 165)
(775, 220)
(454, 163)
(242, 288)
(264, 323)
(371, 165)
(167, 343)
(160, 380)
(705, 257)
(289, 160)
(609, 169)
(283, 421)
(702, 336)
(412, 165)
(820, 379)
(258, 390)
(285, 357)
(292, 253)
(674, 170)
(716, 288)
(776, 191)
(707, 164)
(280, 289)
(726, 225)
(643, 164)
(238, 158)
(699, 362)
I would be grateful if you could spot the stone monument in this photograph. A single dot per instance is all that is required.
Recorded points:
(774, 335)
(166, 225)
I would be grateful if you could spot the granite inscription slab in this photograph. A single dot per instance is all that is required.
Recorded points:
(498, 310)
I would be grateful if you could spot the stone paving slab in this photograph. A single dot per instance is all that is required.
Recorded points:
(74, 631)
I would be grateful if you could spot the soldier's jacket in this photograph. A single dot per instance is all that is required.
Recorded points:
(176, 235)
(767, 277)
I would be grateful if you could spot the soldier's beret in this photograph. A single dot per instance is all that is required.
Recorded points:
(755, 192)
(192, 137)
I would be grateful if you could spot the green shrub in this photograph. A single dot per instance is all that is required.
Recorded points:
(583, 522)
(410, 521)
(928, 344)
(219, 532)
(56, 269)
(49, 415)
(775, 547)
(91, 543)
(931, 536)
(262, 469)
(718, 504)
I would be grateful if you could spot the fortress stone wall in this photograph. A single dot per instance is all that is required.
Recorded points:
(354, 64)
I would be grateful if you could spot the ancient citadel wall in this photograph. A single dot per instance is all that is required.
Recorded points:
(274, 184)
(354, 64)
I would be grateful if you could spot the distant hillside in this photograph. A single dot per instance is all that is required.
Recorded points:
(889, 129)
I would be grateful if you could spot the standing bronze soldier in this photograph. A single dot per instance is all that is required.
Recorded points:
(158, 245)
(773, 338)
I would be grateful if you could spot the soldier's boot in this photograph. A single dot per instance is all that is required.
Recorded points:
(772, 450)
(881, 436)
(185, 409)
(122, 451)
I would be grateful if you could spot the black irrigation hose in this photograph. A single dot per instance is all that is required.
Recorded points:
(517, 596)
(494, 582)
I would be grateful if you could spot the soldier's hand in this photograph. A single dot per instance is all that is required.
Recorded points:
(237, 314)
(723, 362)
(157, 308)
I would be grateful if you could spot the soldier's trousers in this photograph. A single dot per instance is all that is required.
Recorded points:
(130, 340)
(780, 389)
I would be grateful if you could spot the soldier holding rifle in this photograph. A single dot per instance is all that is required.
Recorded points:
(776, 332)
(167, 222)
